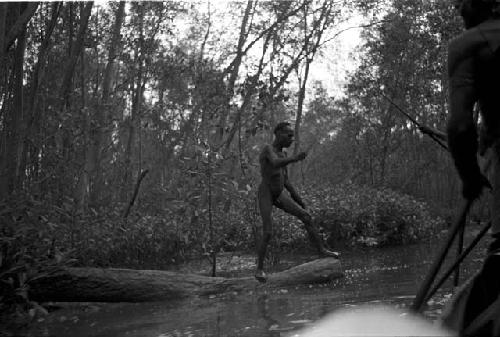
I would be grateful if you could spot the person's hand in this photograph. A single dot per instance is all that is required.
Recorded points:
(300, 156)
(473, 187)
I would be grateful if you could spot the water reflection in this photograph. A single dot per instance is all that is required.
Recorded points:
(270, 324)
(388, 276)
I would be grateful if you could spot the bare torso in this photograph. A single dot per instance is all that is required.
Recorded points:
(474, 61)
(272, 178)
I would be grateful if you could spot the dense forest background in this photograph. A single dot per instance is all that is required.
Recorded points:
(129, 131)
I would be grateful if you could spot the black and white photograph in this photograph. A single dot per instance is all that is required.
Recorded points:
(253, 168)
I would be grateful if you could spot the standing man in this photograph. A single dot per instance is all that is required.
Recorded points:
(474, 76)
(273, 162)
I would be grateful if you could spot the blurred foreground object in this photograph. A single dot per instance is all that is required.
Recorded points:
(373, 321)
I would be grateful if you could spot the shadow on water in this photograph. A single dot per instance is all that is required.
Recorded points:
(384, 275)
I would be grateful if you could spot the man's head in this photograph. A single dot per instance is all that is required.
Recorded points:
(284, 134)
(475, 12)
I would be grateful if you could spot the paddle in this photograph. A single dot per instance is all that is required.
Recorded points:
(424, 289)
(413, 120)
(459, 260)
(460, 246)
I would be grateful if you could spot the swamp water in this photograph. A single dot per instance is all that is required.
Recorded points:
(389, 276)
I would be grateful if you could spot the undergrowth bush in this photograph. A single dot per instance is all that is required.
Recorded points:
(371, 217)
(37, 236)
(179, 232)
(28, 251)
(137, 242)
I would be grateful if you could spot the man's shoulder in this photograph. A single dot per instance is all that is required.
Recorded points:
(474, 37)
(467, 39)
(266, 149)
(465, 46)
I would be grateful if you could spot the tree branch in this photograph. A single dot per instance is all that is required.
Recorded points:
(136, 191)
(264, 32)
(352, 27)
(20, 24)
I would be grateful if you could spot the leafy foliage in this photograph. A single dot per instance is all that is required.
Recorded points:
(404, 57)
(28, 248)
(373, 217)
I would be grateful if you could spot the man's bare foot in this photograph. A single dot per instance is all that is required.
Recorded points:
(329, 253)
(261, 276)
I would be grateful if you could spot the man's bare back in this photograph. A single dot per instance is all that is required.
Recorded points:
(474, 77)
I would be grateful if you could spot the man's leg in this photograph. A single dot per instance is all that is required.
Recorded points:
(486, 287)
(485, 290)
(265, 202)
(287, 204)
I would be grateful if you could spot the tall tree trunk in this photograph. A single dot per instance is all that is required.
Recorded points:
(235, 67)
(3, 89)
(75, 52)
(13, 124)
(319, 26)
(251, 90)
(102, 117)
(3, 16)
(19, 26)
(82, 192)
(29, 146)
(114, 44)
(136, 106)
(11, 91)
(298, 116)
(134, 120)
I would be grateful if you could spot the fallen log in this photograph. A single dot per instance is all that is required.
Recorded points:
(128, 285)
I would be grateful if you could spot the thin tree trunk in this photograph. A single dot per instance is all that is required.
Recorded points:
(322, 23)
(207, 34)
(19, 27)
(3, 98)
(3, 15)
(248, 96)
(134, 194)
(136, 106)
(75, 52)
(298, 117)
(236, 66)
(113, 47)
(29, 146)
(83, 188)
(101, 135)
(13, 125)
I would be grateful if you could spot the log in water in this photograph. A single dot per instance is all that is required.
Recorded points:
(128, 285)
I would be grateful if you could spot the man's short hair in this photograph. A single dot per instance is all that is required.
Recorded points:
(280, 126)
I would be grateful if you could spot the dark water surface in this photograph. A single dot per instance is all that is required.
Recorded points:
(382, 275)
